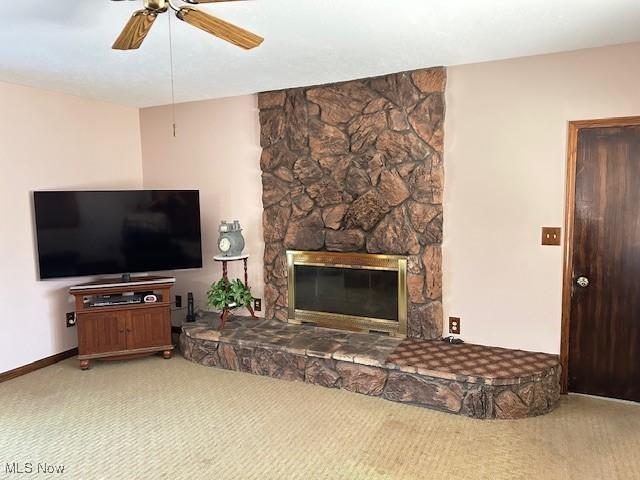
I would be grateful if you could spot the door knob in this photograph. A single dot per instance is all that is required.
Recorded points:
(582, 282)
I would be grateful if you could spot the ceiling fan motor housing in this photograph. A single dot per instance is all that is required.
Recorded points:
(156, 5)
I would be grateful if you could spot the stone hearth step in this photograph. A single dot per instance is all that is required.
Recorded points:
(472, 380)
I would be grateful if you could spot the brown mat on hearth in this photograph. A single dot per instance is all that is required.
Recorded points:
(470, 360)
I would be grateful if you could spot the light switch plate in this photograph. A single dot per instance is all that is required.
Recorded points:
(551, 236)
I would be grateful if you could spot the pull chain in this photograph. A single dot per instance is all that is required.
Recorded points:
(173, 97)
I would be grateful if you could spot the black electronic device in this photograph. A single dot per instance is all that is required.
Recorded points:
(191, 316)
(111, 300)
(106, 232)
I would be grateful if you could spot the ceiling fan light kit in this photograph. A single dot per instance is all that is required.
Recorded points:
(138, 26)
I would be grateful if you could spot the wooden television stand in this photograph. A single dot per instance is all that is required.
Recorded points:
(123, 330)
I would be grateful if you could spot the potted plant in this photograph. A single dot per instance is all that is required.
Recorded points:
(225, 296)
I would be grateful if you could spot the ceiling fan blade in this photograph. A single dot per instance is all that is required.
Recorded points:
(135, 31)
(215, 26)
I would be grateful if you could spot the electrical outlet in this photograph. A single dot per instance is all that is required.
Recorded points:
(178, 301)
(454, 325)
(257, 304)
(71, 319)
(551, 235)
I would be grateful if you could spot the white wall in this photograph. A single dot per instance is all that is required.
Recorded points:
(505, 160)
(50, 141)
(216, 150)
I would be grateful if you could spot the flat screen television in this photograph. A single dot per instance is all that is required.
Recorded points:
(83, 233)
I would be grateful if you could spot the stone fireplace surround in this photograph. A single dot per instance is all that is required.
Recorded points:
(357, 167)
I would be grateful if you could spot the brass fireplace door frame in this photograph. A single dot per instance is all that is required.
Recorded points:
(356, 261)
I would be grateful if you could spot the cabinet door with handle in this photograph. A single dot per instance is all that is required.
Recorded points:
(148, 327)
(101, 332)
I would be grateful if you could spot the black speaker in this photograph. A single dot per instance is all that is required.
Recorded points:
(191, 315)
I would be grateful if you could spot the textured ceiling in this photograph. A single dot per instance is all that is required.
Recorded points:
(64, 45)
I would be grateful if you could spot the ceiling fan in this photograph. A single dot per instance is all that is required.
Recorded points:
(138, 26)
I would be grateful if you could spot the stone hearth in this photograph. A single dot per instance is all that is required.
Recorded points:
(357, 167)
(472, 380)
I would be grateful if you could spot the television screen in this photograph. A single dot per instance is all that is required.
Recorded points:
(102, 232)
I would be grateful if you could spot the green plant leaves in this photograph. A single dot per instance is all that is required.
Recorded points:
(217, 295)
(222, 294)
(240, 294)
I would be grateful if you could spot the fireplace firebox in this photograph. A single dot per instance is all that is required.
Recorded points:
(349, 291)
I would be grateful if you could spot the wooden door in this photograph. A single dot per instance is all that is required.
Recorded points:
(148, 327)
(101, 332)
(604, 328)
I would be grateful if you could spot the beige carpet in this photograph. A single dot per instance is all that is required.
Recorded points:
(157, 419)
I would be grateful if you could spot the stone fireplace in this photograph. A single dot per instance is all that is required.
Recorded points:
(349, 291)
(357, 167)
(352, 179)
